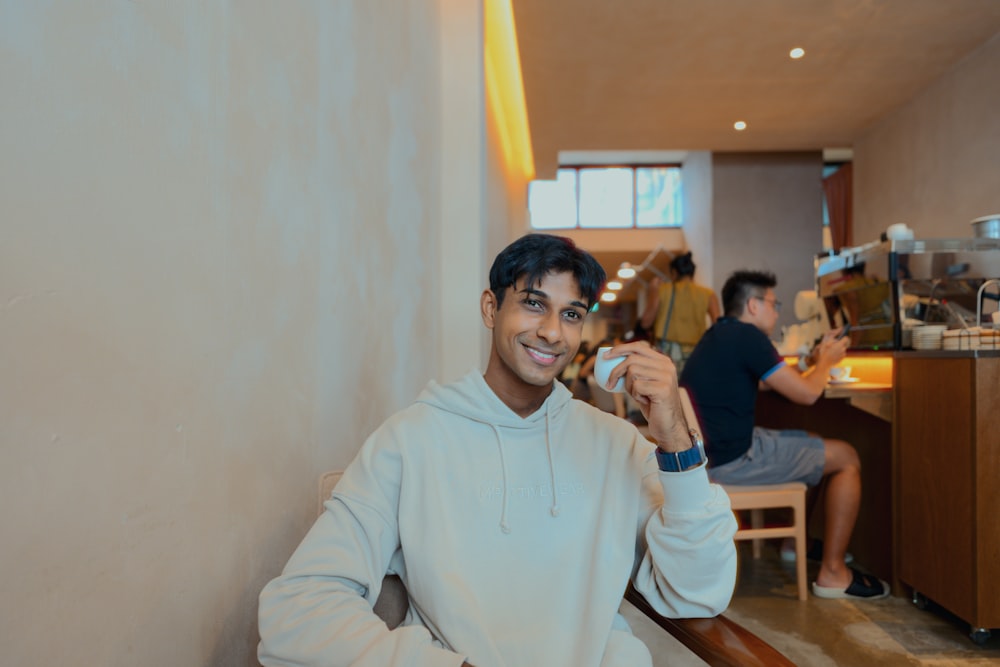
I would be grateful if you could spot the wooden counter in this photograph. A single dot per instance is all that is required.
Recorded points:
(947, 480)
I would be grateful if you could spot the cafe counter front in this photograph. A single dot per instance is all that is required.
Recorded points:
(926, 425)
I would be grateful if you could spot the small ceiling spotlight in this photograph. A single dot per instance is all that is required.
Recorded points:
(625, 271)
(614, 285)
(740, 125)
(796, 53)
(608, 297)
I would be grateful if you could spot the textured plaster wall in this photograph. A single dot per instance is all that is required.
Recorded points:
(934, 163)
(219, 270)
(463, 219)
(767, 211)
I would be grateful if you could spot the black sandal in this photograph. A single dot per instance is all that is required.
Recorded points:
(862, 587)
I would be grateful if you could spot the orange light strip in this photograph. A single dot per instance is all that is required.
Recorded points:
(867, 368)
(505, 87)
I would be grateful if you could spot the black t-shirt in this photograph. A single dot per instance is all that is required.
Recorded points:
(721, 375)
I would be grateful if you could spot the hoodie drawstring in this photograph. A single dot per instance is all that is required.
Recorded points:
(504, 526)
(554, 509)
(472, 399)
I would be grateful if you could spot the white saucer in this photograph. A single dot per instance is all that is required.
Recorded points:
(845, 381)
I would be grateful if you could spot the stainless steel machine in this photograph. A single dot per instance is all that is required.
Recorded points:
(878, 287)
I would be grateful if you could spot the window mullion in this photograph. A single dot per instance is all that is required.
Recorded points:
(577, 170)
(635, 201)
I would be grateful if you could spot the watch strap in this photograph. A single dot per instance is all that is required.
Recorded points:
(682, 460)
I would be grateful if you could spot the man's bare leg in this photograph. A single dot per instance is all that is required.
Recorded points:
(842, 501)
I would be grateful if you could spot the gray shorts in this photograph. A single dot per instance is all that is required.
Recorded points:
(775, 457)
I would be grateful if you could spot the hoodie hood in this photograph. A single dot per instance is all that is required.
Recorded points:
(473, 399)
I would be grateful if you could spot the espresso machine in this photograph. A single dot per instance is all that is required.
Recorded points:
(880, 287)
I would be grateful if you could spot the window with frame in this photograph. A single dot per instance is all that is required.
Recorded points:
(608, 197)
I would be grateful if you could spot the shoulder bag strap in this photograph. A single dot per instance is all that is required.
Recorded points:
(670, 311)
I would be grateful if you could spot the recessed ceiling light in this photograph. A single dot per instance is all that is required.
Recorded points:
(796, 53)
(626, 271)
(608, 297)
(740, 125)
(614, 285)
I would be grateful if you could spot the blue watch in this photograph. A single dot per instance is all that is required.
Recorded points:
(683, 460)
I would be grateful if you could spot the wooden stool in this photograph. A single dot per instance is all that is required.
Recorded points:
(757, 499)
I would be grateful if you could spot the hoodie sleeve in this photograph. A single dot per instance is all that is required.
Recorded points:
(688, 556)
(319, 611)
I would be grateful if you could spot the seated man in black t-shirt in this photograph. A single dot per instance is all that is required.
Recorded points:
(733, 359)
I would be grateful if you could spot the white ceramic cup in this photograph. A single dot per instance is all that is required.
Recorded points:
(602, 369)
(840, 373)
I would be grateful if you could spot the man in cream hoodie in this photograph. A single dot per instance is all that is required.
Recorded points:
(514, 515)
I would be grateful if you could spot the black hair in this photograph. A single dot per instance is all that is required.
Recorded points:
(536, 255)
(683, 264)
(741, 286)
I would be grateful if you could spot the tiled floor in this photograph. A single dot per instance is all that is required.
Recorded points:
(827, 633)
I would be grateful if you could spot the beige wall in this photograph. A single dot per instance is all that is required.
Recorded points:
(221, 251)
(767, 212)
(461, 343)
(934, 163)
(698, 231)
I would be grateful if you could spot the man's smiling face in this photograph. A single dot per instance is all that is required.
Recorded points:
(536, 331)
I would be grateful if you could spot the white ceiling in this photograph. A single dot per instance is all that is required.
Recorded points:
(675, 74)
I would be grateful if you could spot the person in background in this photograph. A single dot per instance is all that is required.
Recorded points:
(733, 359)
(507, 508)
(580, 387)
(679, 311)
(639, 332)
(570, 373)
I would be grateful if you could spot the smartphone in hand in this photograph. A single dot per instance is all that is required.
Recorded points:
(846, 330)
